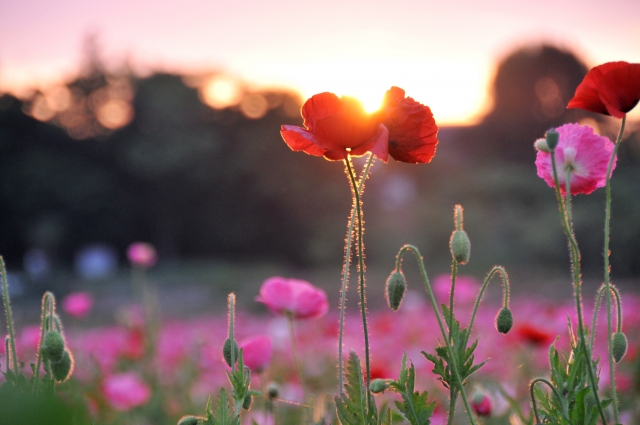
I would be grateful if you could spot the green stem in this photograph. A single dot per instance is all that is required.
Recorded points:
(7, 310)
(555, 391)
(616, 294)
(296, 357)
(454, 366)
(345, 272)
(452, 406)
(47, 304)
(361, 286)
(575, 266)
(607, 278)
(506, 290)
(454, 272)
(232, 309)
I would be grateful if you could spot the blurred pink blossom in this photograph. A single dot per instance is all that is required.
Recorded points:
(465, 292)
(77, 304)
(293, 296)
(257, 351)
(481, 404)
(124, 391)
(142, 254)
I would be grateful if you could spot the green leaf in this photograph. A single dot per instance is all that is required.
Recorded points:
(352, 406)
(414, 405)
(222, 414)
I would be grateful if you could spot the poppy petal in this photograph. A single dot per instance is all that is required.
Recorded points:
(621, 89)
(378, 145)
(318, 107)
(299, 139)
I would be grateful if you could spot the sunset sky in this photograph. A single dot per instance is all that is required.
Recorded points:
(442, 53)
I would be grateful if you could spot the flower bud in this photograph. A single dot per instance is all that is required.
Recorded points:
(53, 346)
(62, 369)
(504, 320)
(190, 420)
(619, 346)
(396, 287)
(246, 404)
(272, 390)
(460, 246)
(552, 138)
(481, 404)
(542, 145)
(226, 351)
(378, 386)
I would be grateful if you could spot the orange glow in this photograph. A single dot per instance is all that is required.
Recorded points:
(40, 110)
(221, 91)
(254, 106)
(114, 114)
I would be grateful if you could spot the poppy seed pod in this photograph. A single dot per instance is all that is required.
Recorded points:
(396, 287)
(552, 138)
(504, 320)
(272, 390)
(378, 386)
(188, 420)
(226, 351)
(460, 246)
(53, 346)
(62, 369)
(542, 145)
(619, 346)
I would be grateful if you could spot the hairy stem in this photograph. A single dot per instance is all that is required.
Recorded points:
(616, 295)
(7, 311)
(555, 391)
(296, 357)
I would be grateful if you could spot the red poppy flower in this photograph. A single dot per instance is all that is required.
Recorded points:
(336, 127)
(611, 89)
(412, 129)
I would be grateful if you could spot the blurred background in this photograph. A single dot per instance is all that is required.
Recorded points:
(132, 121)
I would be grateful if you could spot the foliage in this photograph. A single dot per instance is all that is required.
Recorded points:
(356, 406)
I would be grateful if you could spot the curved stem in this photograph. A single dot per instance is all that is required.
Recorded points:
(361, 286)
(506, 290)
(7, 310)
(607, 278)
(47, 304)
(616, 294)
(345, 272)
(454, 366)
(555, 391)
(575, 266)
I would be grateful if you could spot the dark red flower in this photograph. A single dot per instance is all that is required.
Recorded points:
(412, 129)
(336, 127)
(612, 89)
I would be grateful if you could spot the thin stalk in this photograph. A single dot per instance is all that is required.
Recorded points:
(607, 277)
(361, 286)
(296, 357)
(616, 294)
(345, 272)
(454, 272)
(506, 290)
(232, 309)
(47, 304)
(452, 407)
(454, 366)
(555, 391)
(575, 266)
(7, 310)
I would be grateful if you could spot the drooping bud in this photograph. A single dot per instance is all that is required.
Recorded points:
(190, 420)
(53, 346)
(552, 138)
(619, 346)
(481, 404)
(460, 246)
(542, 145)
(226, 351)
(246, 404)
(62, 369)
(378, 386)
(504, 320)
(396, 287)
(272, 390)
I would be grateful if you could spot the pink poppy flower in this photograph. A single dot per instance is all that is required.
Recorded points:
(257, 351)
(582, 151)
(77, 304)
(481, 404)
(292, 296)
(612, 89)
(124, 391)
(142, 254)
(336, 127)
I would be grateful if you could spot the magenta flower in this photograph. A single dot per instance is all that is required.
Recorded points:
(481, 404)
(292, 296)
(142, 254)
(77, 304)
(257, 351)
(124, 391)
(581, 151)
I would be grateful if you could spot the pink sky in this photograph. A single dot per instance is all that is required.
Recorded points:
(443, 53)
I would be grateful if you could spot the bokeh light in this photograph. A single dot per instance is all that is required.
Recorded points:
(221, 91)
